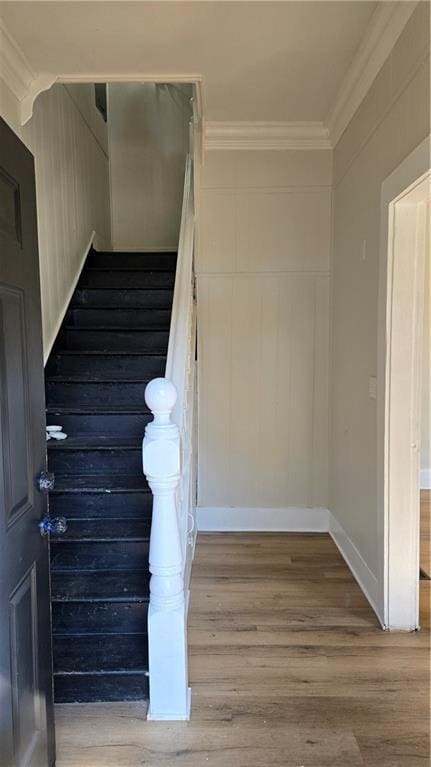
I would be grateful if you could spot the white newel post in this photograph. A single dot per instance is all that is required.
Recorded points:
(167, 627)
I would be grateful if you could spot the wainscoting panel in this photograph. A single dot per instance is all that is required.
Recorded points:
(72, 198)
(265, 230)
(263, 407)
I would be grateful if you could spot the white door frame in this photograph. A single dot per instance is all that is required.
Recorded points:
(401, 299)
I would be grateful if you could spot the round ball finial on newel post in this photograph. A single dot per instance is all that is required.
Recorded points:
(161, 396)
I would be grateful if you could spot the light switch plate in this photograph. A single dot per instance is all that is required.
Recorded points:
(372, 387)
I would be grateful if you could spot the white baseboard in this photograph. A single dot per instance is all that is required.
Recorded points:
(425, 479)
(291, 519)
(365, 578)
(143, 249)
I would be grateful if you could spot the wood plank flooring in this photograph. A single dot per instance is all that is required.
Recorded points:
(288, 667)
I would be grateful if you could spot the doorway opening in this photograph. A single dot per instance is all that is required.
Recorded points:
(407, 204)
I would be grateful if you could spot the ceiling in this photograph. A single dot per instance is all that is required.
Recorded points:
(259, 61)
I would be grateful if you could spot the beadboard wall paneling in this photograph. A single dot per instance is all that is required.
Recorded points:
(72, 184)
(263, 323)
(148, 144)
(263, 383)
(261, 230)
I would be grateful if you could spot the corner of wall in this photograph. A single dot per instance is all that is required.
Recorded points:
(366, 579)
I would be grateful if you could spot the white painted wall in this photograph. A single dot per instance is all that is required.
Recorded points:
(262, 268)
(84, 99)
(148, 144)
(391, 121)
(72, 193)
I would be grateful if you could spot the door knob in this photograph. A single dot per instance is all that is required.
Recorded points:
(55, 526)
(45, 481)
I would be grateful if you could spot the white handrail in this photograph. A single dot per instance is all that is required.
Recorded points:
(182, 309)
(180, 365)
(168, 461)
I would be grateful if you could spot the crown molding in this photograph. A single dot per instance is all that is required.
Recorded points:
(20, 85)
(21, 82)
(15, 70)
(266, 135)
(384, 29)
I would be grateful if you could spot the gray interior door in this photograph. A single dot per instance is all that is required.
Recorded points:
(26, 703)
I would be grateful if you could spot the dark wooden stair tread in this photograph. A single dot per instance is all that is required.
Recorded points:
(99, 483)
(112, 342)
(108, 586)
(100, 687)
(162, 327)
(128, 270)
(81, 378)
(95, 529)
(101, 353)
(101, 653)
(63, 409)
(95, 442)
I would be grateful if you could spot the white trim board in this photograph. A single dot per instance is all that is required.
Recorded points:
(19, 78)
(292, 519)
(401, 219)
(119, 248)
(425, 479)
(383, 31)
(386, 24)
(265, 135)
(364, 577)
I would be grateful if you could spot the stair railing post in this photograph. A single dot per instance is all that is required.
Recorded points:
(167, 626)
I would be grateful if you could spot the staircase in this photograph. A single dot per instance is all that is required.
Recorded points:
(113, 340)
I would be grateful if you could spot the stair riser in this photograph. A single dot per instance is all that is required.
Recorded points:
(151, 298)
(103, 505)
(70, 617)
(117, 260)
(141, 341)
(104, 652)
(95, 394)
(116, 586)
(117, 529)
(81, 462)
(110, 366)
(94, 688)
(125, 318)
(113, 424)
(131, 280)
(112, 555)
